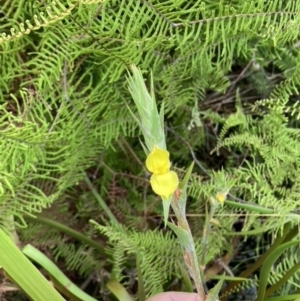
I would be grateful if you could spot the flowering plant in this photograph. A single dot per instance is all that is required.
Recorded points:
(165, 182)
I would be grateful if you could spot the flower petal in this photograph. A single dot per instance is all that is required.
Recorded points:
(158, 161)
(220, 197)
(164, 184)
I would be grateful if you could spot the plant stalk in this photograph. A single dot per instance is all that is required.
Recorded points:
(190, 255)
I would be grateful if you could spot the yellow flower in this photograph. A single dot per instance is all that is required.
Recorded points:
(221, 197)
(157, 161)
(164, 184)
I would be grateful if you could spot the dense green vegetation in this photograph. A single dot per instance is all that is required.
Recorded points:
(226, 74)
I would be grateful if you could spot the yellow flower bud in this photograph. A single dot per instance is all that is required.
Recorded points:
(164, 184)
(157, 161)
(221, 197)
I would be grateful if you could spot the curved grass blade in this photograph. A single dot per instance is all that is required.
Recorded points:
(266, 267)
(64, 283)
(24, 273)
(119, 291)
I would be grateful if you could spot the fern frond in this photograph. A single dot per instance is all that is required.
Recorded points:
(287, 261)
(55, 11)
(244, 287)
(83, 259)
(157, 266)
(66, 68)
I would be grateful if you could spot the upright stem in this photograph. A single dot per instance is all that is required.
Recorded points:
(190, 256)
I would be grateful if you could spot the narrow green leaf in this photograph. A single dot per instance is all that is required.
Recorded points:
(295, 297)
(182, 235)
(282, 280)
(119, 291)
(181, 203)
(161, 115)
(101, 202)
(166, 207)
(266, 267)
(67, 230)
(23, 272)
(64, 282)
(141, 287)
(184, 182)
(213, 294)
(188, 286)
(288, 234)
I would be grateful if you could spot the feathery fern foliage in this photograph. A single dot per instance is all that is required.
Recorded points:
(63, 100)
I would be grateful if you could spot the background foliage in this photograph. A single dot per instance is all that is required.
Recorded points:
(64, 118)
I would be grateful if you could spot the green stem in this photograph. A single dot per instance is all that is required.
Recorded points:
(190, 255)
(69, 231)
(101, 202)
(261, 209)
(264, 211)
(283, 298)
(206, 232)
